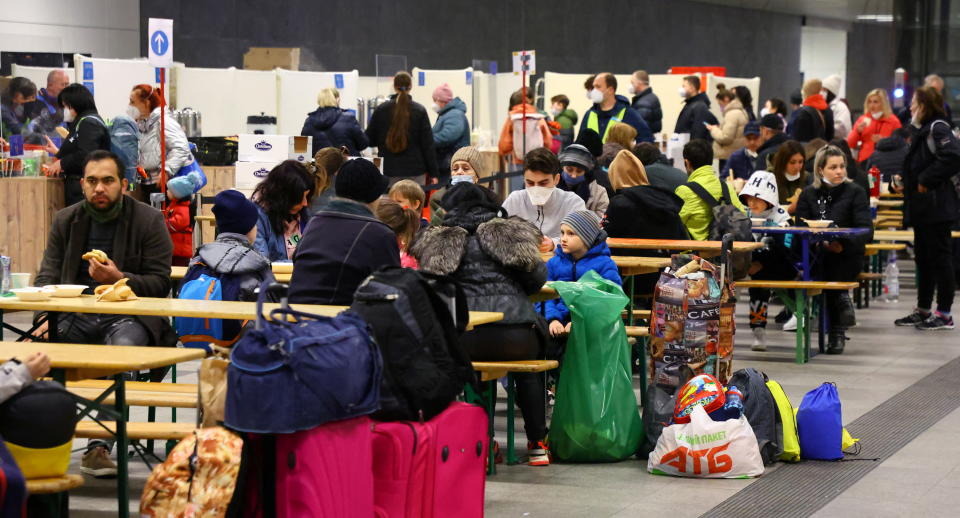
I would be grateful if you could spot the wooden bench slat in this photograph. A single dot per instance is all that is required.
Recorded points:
(136, 430)
(517, 366)
(799, 285)
(143, 397)
(643, 314)
(886, 246)
(46, 486)
(149, 386)
(638, 331)
(868, 276)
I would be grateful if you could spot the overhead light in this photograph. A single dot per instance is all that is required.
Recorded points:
(880, 18)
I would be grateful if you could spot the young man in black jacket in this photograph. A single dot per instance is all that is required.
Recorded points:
(695, 114)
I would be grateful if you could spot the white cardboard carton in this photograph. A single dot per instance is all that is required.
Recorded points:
(274, 148)
(249, 174)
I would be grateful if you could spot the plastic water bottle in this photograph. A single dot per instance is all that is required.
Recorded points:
(732, 407)
(891, 280)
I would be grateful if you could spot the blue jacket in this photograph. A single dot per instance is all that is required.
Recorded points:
(333, 127)
(630, 116)
(743, 166)
(452, 129)
(647, 105)
(562, 267)
(269, 243)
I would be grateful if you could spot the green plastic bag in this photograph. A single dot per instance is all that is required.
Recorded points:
(595, 417)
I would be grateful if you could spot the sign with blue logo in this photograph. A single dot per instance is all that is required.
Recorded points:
(338, 81)
(263, 145)
(261, 173)
(160, 42)
(89, 85)
(493, 67)
(469, 77)
(421, 78)
(88, 71)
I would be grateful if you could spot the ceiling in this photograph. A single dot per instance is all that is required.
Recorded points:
(835, 9)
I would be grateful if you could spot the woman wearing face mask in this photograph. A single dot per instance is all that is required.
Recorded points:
(88, 133)
(577, 177)
(877, 122)
(791, 178)
(835, 197)
(14, 105)
(466, 166)
(145, 109)
(452, 130)
(728, 135)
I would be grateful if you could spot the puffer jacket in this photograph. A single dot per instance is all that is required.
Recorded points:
(647, 105)
(332, 127)
(452, 129)
(883, 127)
(728, 135)
(933, 170)
(593, 194)
(696, 111)
(849, 207)
(178, 147)
(563, 267)
(231, 254)
(496, 260)
(888, 156)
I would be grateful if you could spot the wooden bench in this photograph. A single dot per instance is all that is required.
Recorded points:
(52, 494)
(638, 331)
(642, 314)
(141, 393)
(800, 305)
(136, 430)
(862, 293)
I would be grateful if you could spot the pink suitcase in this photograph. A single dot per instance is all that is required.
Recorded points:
(326, 471)
(432, 470)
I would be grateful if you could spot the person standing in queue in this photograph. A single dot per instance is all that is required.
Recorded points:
(145, 108)
(400, 129)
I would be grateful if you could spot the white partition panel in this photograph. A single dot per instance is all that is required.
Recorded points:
(369, 87)
(752, 83)
(113, 79)
(256, 93)
(297, 95)
(211, 91)
(460, 81)
(492, 102)
(37, 74)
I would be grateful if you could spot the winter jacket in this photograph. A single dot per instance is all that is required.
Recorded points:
(232, 254)
(506, 144)
(763, 185)
(567, 119)
(841, 119)
(884, 127)
(45, 116)
(177, 146)
(696, 111)
(647, 105)
(87, 134)
(696, 214)
(665, 176)
(14, 376)
(728, 135)
(12, 123)
(452, 130)
(177, 216)
(342, 246)
(603, 118)
(563, 267)
(546, 218)
(645, 212)
(888, 156)
(332, 127)
(419, 156)
(808, 125)
(849, 207)
(593, 194)
(142, 251)
(496, 260)
(933, 170)
(742, 163)
(270, 243)
(769, 148)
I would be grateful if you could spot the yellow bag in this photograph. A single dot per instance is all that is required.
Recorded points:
(41, 462)
(846, 440)
(791, 441)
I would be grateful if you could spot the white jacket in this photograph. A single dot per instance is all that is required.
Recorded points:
(842, 123)
(178, 147)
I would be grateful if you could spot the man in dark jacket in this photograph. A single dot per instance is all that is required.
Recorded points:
(608, 106)
(645, 101)
(889, 155)
(771, 136)
(660, 173)
(332, 127)
(135, 239)
(815, 118)
(743, 162)
(345, 242)
(696, 111)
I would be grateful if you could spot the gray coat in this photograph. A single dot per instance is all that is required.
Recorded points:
(13, 377)
(142, 250)
(177, 146)
(231, 254)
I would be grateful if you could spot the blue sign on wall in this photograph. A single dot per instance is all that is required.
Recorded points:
(89, 85)
(87, 71)
(469, 77)
(421, 78)
(338, 81)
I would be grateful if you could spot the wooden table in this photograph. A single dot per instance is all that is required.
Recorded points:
(704, 248)
(806, 234)
(76, 361)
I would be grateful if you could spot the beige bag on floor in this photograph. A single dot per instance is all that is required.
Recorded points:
(213, 389)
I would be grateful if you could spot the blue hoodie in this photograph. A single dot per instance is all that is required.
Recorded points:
(630, 116)
(562, 267)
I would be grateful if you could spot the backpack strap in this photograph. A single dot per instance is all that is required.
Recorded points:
(703, 194)
(931, 145)
(725, 192)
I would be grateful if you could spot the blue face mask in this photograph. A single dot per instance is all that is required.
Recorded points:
(573, 181)
(458, 178)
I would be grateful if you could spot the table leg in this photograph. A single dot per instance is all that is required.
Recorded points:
(511, 401)
(824, 323)
(803, 328)
(123, 479)
(53, 326)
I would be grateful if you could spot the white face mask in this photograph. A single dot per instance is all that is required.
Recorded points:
(539, 195)
(683, 92)
(133, 112)
(792, 177)
(436, 107)
(631, 90)
(877, 115)
(596, 96)
(69, 115)
(764, 112)
(458, 178)
(555, 112)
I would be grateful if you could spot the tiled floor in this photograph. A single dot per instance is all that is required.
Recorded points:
(881, 360)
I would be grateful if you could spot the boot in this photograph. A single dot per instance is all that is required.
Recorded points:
(846, 315)
(836, 341)
(759, 341)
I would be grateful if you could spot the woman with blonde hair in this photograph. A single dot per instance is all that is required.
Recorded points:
(623, 134)
(877, 122)
(332, 127)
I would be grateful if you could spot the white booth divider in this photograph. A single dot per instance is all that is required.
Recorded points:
(37, 74)
(460, 81)
(492, 100)
(297, 95)
(752, 83)
(226, 96)
(113, 79)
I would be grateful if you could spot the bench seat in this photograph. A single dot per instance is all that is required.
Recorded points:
(136, 430)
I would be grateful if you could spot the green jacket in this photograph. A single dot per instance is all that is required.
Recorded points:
(695, 213)
(567, 119)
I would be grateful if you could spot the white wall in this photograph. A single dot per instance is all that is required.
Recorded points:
(104, 28)
(823, 52)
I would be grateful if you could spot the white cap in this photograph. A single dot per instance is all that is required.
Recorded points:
(763, 185)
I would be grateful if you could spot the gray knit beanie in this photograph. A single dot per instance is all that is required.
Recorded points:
(585, 224)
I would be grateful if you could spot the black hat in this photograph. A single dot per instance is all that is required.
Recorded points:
(772, 121)
(360, 180)
(591, 140)
(234, 212)
(796, 97)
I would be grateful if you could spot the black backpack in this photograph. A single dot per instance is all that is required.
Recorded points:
(416, 319)
(761, 411)
(727, 219)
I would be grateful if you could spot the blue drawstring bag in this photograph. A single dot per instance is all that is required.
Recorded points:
(820, 425)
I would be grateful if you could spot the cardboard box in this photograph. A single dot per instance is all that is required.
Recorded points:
(249, 174)
(269, 58)
(274, 148)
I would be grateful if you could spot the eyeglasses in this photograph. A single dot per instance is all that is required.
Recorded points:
(107, 181)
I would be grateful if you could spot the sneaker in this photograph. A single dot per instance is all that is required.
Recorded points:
(783, 316)
(97, 463)
(759, 344)
(791, 325)
(497, 454)
(937, 322)
(539, 455)
(912, 320)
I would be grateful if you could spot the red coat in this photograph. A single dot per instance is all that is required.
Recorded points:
(177, 216)
(884, 127)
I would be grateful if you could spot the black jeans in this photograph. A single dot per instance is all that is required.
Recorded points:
(514, 342)
(776, 267)
(933, 251)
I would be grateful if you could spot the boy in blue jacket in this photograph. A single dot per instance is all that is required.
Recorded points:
(583, 247)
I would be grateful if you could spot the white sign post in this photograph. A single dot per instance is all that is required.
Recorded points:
(525, 61)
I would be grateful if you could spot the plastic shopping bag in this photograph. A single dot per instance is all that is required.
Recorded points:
(820, 425)
(595, 417)
(704, 448)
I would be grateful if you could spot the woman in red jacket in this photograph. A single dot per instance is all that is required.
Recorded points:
(877, 122)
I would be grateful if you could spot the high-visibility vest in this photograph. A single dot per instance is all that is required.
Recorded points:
(593, 122)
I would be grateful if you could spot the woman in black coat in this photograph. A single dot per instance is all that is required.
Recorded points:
(332, 127)
(88, 133)
(400, 129)
(497, 261)
(834, 196)
(931, 207)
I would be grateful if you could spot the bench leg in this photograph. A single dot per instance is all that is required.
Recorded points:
(802, 326)
(511, 402)
(824, 324)
(490, 394)
(123, 489)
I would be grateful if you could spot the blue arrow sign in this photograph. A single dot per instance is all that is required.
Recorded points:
(159, 42)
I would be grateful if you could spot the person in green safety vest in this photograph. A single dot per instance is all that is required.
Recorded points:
(608, 106)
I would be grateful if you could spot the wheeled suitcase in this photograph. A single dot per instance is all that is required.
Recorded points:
(434, 469)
